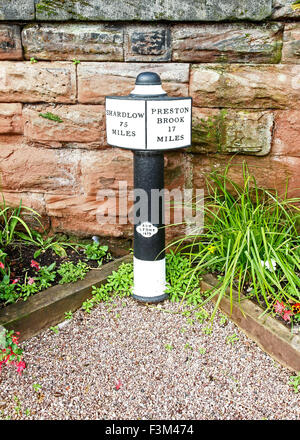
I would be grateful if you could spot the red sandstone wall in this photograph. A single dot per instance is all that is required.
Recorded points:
(244, 79)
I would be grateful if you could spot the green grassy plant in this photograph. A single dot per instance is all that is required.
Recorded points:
(11, 219)
(250, 239)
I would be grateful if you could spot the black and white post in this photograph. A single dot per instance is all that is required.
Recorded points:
(149, 232)
(149, 122)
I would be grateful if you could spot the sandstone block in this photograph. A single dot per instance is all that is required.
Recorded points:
(175, 169)
(80, 215)
(245, 86)
(37, 82)
(228, 43)
(17, 10)
(97, 80)
(103, 170)
(283, 9)
(102, 42)
(28, 169)
(148, 43)
(31, 200)
(291, 44)
(286, 133)
(292, 165)
(231, 131)
(10, 42)
(11, 121)
(176, 10)
(270, 172)
(65, 123)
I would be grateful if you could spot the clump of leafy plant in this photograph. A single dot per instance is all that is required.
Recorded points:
(119, 284)
(295, 382)
(95, 251)
(44, 278)
(43, 243)
(13, 290)
(182, 283)
(250, 239)
(71, 272)
(7, 290)
(10, 351)
(6, 287)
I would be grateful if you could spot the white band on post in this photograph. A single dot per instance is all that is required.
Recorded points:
(148, 90)
(149, 278)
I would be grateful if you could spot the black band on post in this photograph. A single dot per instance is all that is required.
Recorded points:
(149, 177)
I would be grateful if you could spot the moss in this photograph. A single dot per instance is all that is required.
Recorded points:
(222, 58)
(209, 134)
(53, 7)
(265, 12)
(159, 16)
(277, 53)
(51, 117)
(173, 174)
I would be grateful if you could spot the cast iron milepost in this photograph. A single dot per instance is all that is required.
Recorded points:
(149, 122)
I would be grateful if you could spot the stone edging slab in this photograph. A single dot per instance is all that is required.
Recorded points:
(270, 335)
(48, 308)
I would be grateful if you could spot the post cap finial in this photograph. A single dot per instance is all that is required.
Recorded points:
(148, 79)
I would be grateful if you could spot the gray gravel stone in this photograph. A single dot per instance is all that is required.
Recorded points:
(170, 368)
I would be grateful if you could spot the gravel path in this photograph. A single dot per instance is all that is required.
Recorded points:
(170, 368)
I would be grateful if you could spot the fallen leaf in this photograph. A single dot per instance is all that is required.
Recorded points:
(41, 397)
(118, 384)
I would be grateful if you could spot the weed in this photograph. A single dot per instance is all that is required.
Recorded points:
(69, 315)
(36, 387)
(295, 382)
(55, 329)
(223, 320)
(232, 339)
(207, 330)
(70, 272)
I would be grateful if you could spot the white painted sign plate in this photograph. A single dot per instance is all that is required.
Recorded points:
(147, 229)
(150, 124)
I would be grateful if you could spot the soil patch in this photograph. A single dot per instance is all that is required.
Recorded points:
(20, 256)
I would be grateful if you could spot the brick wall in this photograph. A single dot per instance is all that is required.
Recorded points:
(240, 63)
